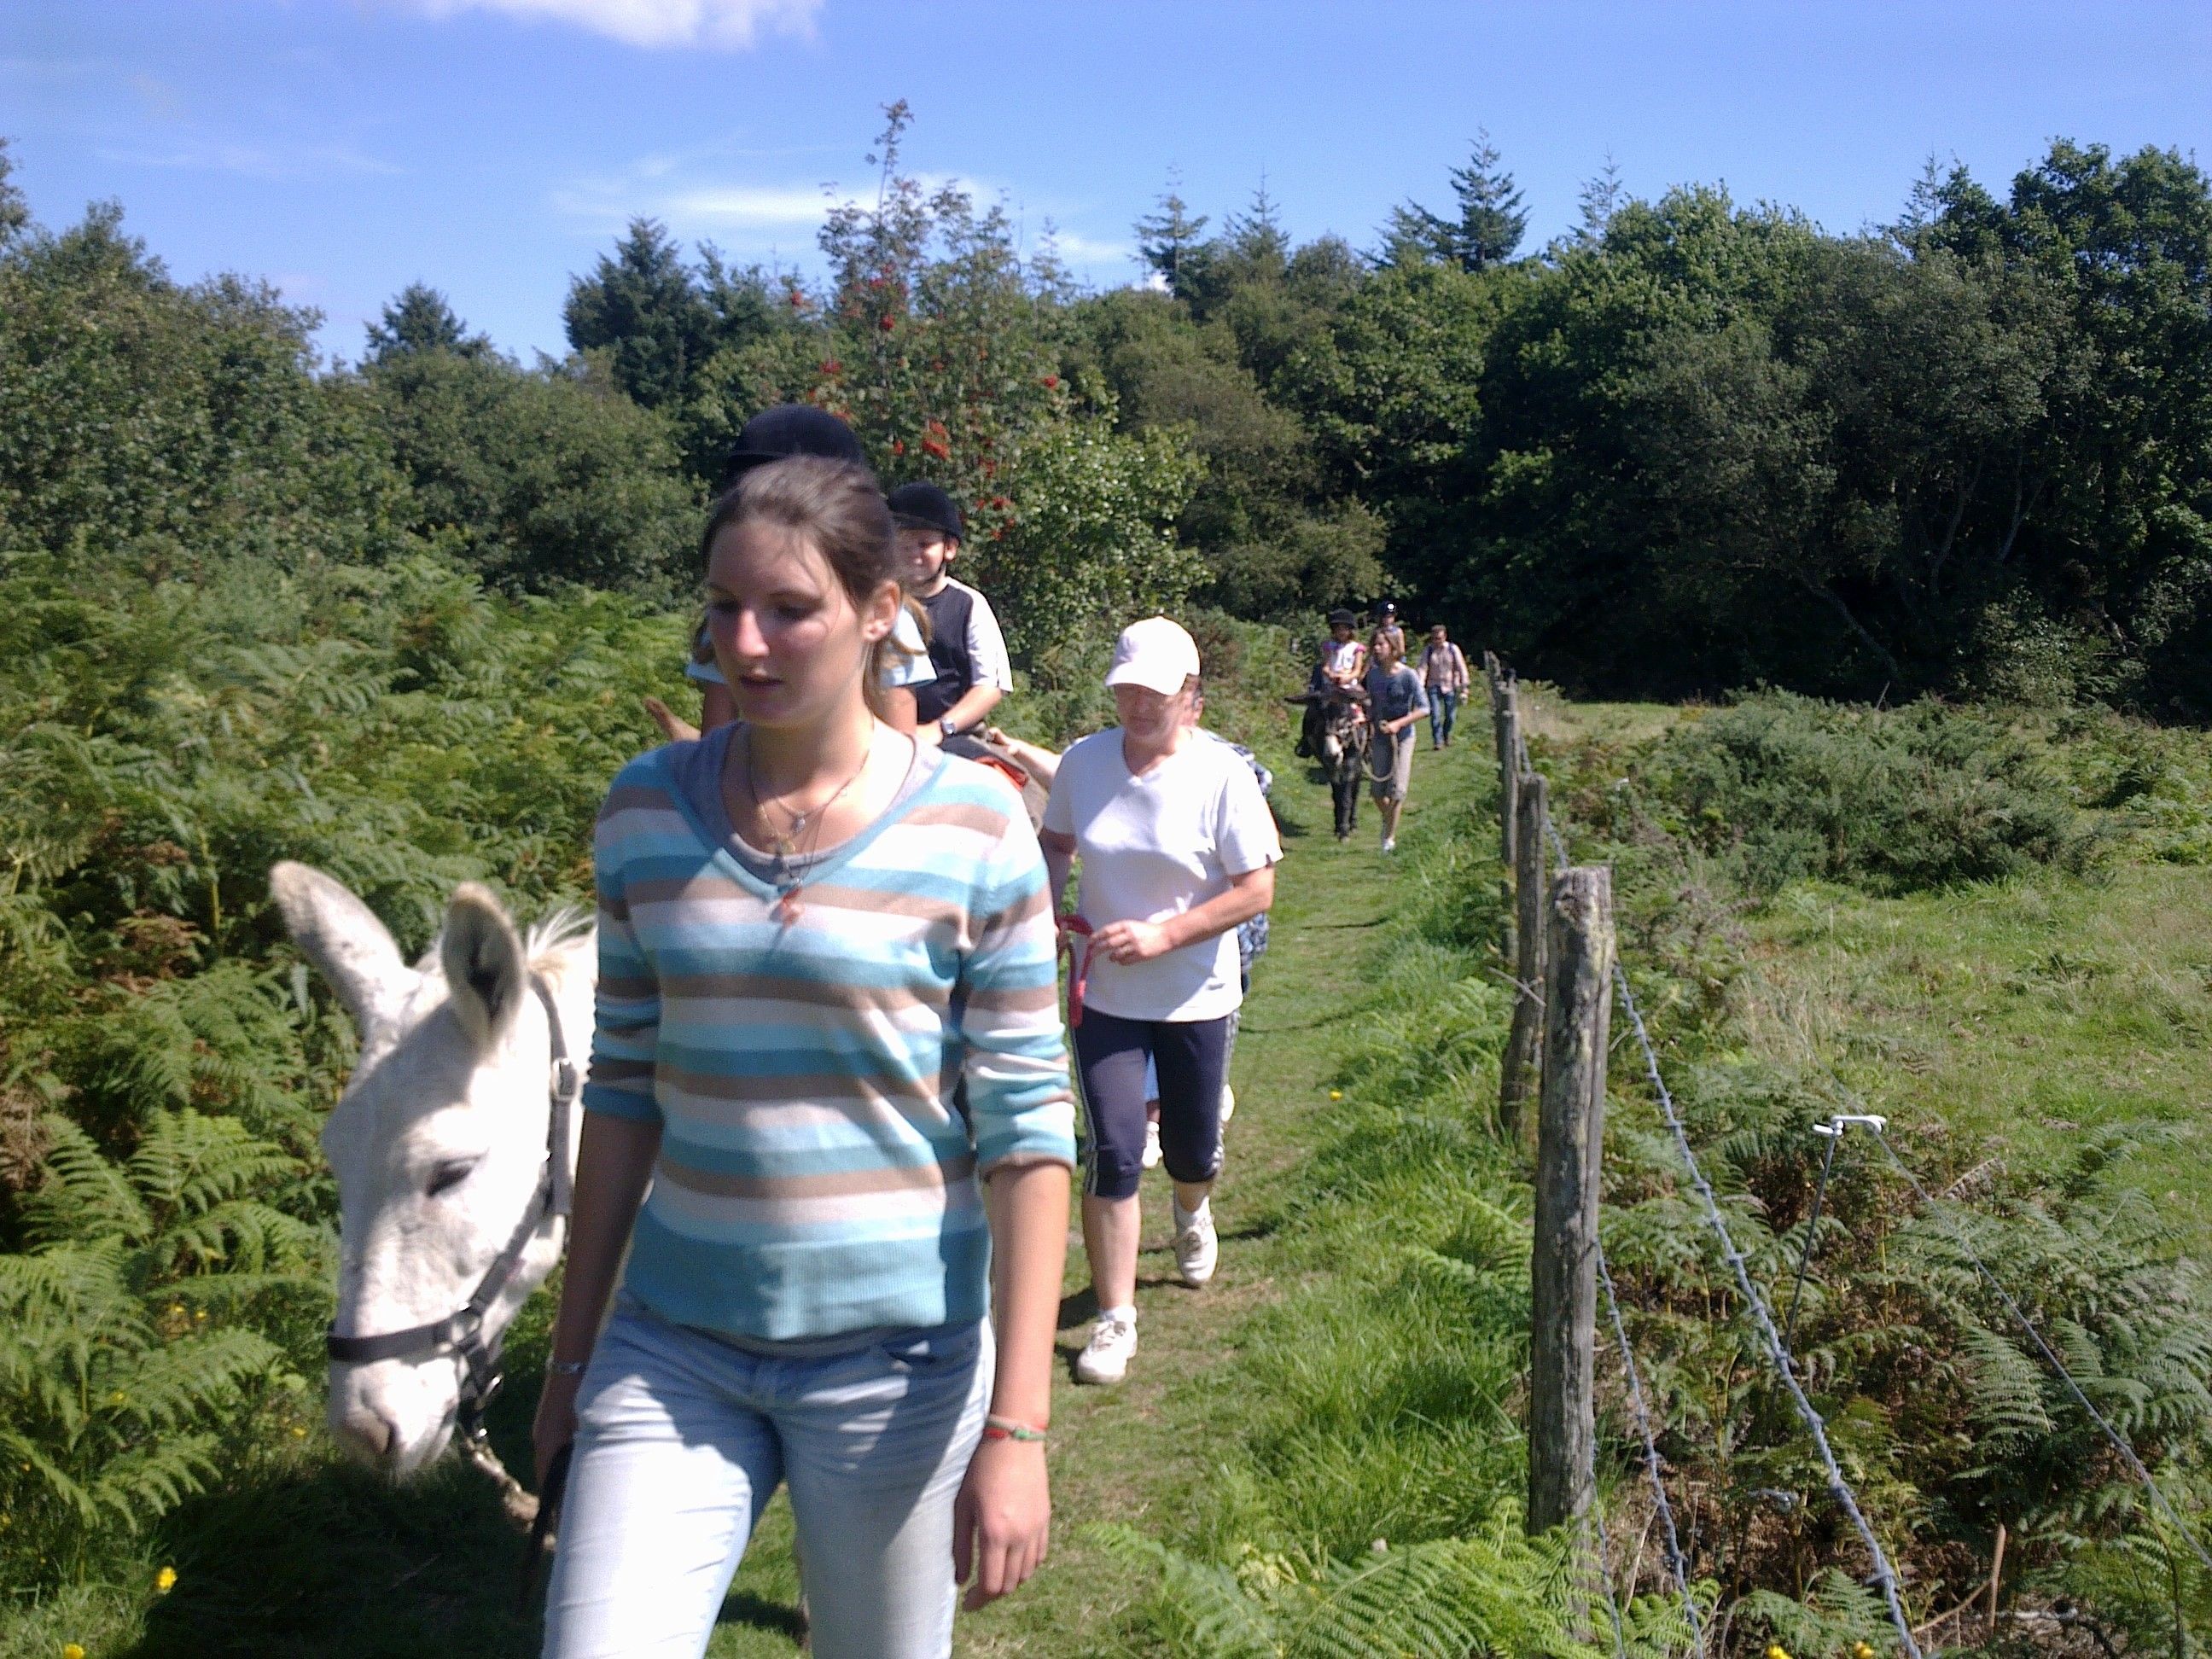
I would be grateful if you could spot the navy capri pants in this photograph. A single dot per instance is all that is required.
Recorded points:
(1192, 1059)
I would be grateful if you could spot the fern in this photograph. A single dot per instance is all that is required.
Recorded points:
(1494, 1593)
(116, 1384)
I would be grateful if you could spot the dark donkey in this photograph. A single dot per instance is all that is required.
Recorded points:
(1336, 735)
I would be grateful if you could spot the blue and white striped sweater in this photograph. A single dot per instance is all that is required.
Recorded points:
(815, 1176)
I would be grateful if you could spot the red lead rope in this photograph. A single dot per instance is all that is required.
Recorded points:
(1078, 965)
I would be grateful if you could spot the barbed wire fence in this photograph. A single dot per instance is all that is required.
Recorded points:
(1516, 765)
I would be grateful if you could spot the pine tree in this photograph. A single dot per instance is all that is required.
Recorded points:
(643, 307)
(1490, 223)
(1168, 237)
(421, 320)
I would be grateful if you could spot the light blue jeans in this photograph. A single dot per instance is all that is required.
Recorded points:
(682, 1440)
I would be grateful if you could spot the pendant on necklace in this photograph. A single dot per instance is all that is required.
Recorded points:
(787, 909)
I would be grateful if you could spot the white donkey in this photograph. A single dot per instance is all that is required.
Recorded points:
(454, 1145)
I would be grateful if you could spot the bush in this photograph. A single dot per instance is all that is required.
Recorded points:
(1782, 787)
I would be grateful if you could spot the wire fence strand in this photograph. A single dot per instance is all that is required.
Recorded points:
(1763, 1320)
(1885, 1575)
(1676, 1562)
(2120, 1441)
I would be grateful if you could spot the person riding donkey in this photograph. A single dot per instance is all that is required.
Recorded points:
(776, 435)
(966, 650)
(1341, 669)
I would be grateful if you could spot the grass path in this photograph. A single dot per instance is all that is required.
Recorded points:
(312, 1556)
(1140, 1453)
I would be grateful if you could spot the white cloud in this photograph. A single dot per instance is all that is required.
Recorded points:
(746, 206)
(1088, 251)
(723, 23)
(251, 161)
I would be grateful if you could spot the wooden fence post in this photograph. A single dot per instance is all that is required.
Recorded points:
(1570, 1146)
(1507, 721)
(1517, 1071)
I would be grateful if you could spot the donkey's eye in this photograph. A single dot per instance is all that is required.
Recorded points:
(450, 1174)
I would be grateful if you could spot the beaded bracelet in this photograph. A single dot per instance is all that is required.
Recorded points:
(1004, 1428)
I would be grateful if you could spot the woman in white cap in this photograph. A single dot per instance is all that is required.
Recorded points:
(1178, 848)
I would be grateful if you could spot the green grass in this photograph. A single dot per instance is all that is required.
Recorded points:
(1354, 1374)
(2007, 1021)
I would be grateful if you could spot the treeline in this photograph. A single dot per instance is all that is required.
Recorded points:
(1693, 446)
(1689, 446)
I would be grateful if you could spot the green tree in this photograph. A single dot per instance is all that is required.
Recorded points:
(178, 421)
(1165, 239)
(1490, 223)
(14, 210)
(536, 478)
(421, 320)
(643, 306)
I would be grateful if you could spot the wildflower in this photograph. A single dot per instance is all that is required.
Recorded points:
(1336, 1094)
(166, 1580)
(298, 1432)
(118, 1398)
(1052, 383)
(1776, 1651)
(1861, 1650)
(72, 1650)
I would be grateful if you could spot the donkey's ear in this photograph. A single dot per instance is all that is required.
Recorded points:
(482, 958)
(343, 938)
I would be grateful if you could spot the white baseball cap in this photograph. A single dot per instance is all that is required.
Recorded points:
(1154, 653)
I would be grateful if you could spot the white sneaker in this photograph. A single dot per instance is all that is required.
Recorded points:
(1228, 1103)
(1152, 1143)
(1197, 1248)
(1105, 1357)
(1390, 843)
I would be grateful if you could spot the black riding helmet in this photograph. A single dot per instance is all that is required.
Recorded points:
(789, 429)
(926, 507)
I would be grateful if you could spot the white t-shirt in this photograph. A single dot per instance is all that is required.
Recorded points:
(986, 644)
(1154, 846)
(914, 668)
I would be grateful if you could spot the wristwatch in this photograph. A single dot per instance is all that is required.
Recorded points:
(949, 727)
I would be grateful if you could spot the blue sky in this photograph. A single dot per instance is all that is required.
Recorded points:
(344, 147)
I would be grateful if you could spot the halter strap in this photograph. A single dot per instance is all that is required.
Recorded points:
(460, 1333)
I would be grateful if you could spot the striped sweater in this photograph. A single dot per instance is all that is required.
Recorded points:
(815, 1175)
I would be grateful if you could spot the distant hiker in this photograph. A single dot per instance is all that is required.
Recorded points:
(775, 434)
(966, 648)
(1178, 848)
(1396, 700)
(811, 925)
(1342, 665)
(1444, 678)
(1386, 622)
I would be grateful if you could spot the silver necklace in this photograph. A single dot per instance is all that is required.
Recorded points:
(787, 907)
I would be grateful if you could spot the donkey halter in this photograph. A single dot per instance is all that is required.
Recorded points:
(460, 1333)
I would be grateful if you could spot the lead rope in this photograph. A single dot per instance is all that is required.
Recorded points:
(1079, 964)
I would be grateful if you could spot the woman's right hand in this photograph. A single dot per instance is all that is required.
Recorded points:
(554, 1426)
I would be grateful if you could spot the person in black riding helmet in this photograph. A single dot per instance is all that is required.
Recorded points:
(966, 647)
(773, 435)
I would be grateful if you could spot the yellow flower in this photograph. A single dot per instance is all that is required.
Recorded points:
(1336, 1094)
(72, 1650)
(1776, 1651)
(118, 1398)
(1861, 1650)
(166, 1580)
(298, 1433)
